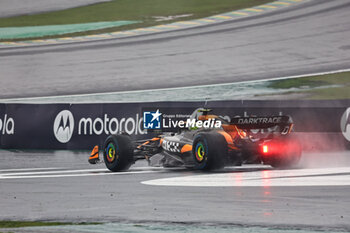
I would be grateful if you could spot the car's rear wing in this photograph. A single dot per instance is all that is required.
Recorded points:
(262, 122)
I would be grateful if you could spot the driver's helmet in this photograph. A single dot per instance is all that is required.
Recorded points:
(197, 115)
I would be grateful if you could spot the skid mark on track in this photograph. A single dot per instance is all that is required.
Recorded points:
(299, 177)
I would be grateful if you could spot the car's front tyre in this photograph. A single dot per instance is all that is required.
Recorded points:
(118, 153)
(209, 151)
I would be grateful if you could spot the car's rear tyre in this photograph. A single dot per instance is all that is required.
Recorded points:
(118, 152)
(209, 151)
(288, 154)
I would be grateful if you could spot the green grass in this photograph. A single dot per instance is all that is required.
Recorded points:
(330, 86)
(297, 83)
(138, 10)
(17, 224)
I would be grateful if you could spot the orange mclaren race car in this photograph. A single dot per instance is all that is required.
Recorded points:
(266, 140)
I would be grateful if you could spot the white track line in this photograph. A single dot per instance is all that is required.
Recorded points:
(78, 171)
(179, 88)
(4, 177)
(30, 169)
(53, 172)
(266, 178)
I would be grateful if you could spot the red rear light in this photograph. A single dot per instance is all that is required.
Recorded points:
(265, 149)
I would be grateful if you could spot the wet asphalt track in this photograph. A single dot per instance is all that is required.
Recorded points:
(306, 38)
(63, 186)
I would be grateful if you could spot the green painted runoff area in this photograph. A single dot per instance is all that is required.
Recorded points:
(18, 224)
(40, 31)
(155, 228)
(146, 12)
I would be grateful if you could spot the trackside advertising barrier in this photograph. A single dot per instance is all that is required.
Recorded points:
(81, 126)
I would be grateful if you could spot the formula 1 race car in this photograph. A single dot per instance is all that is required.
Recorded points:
(266, 140)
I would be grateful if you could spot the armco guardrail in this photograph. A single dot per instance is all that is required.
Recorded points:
(80, 126)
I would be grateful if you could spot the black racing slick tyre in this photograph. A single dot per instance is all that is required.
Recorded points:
(118, 153)
(209, 151)
(288, 154)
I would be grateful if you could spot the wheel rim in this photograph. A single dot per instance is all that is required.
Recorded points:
(111, 152)
(200, 152)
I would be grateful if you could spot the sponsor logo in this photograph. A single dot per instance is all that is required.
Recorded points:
(97, 126)
(152, 120)
(345, 124)
(63, 126)
(7, 125)
(260, 120)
